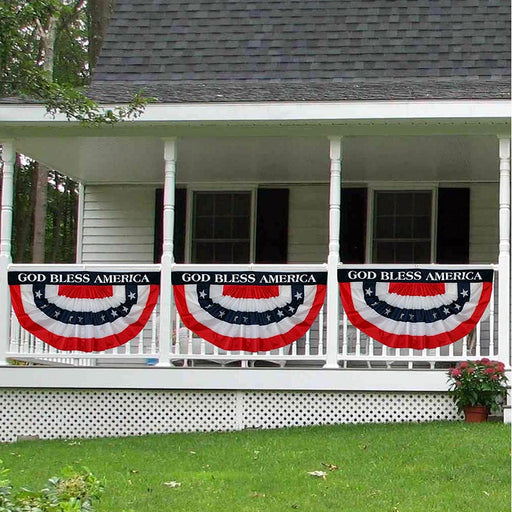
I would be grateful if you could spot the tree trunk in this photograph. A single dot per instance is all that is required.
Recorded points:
(99, 12)
(40, 201)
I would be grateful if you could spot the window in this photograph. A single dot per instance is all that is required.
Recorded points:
(221, 227)
(402, 227)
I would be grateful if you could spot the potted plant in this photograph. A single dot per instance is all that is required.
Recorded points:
(478, 387)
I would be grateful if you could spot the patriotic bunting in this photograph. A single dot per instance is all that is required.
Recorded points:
(85, 311)
(251, 311)
(413, 308)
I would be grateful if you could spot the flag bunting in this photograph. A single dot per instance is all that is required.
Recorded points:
(84, 311)
(415, 308)
(250, 311)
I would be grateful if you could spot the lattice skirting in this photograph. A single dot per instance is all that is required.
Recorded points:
(51, 414)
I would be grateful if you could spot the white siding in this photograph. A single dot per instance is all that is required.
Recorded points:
(308, 235)
(483, 247)
(118, 224)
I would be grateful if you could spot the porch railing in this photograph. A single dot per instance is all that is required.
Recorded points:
(354, 348)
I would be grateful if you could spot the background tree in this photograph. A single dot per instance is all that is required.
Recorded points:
(45, 55)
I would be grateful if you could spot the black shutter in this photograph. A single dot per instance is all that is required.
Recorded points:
(453, 225)
(272, 225)
(353, 225)
(180, 213)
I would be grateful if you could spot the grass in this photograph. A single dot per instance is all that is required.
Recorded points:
(431, 467)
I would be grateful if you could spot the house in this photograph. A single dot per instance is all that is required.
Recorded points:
(283, 136)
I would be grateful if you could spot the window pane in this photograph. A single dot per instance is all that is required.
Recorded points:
(422, 252)
(204, 227)
(384, 252)
(241, 227)
(402, 227)
(223, 204)
(241, 252)
(241, 206)
(223, 253)
(202, 252)
(203, 204)
(384, 227)
(384, 203)
(423, 202)
(421, 227)
(404, 203)
(404, 252)
(221, 227)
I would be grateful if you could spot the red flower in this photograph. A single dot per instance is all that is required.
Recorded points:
(471, 370)
(455, 372)
(463, 365)
(494, 377)
(485, 360)
(489, 371)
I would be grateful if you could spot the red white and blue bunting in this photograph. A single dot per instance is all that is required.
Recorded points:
(251, 311)
(413, 308)
(85, 311)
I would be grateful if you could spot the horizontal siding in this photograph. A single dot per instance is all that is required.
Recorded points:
(308, 224)
(118, 224)
(484, 232)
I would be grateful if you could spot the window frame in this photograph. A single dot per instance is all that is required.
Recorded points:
(216, 188)
(400, 187)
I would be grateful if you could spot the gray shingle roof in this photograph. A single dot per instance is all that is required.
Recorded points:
(188, 50)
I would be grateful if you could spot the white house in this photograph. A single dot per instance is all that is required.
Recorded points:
(284, 136)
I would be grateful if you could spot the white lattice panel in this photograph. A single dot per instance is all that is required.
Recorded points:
(82, 414)
(276, 410)
(71, 414)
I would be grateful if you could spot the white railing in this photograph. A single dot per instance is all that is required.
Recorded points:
(355, 349)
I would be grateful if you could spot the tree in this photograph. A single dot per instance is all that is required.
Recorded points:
(29, 35)
(45, 55)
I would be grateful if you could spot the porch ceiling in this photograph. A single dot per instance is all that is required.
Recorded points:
(267, 159)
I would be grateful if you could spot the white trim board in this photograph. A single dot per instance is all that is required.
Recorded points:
(289, 111)
(224, 379)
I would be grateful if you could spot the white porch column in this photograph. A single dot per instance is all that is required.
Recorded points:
(166, 299)
(334, 254)
(504, 285)
(8, 160)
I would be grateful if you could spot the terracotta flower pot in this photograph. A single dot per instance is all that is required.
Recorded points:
(476, 413)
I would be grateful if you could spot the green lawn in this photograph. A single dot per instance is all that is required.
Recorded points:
(441, 467)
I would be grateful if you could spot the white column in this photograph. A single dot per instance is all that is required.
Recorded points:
(333, 310)
(166, 298)
(8, 159)
(504, 286)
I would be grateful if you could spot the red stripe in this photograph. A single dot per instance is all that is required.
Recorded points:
(85, 292)
(247, 344)
(250, 292)
(418, 289)
(411, 341)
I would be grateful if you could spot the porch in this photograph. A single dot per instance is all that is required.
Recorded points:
(334, 366)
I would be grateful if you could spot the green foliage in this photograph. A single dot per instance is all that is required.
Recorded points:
(480, 382)
(73, 491)
(22, 58)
